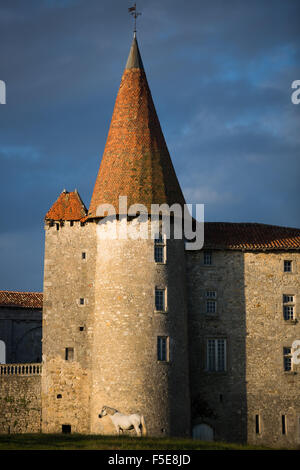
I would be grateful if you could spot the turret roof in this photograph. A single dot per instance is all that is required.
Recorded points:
(136, 161)
(68, 206)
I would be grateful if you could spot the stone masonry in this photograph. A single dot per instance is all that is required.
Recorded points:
(254, 388)
(199, 342)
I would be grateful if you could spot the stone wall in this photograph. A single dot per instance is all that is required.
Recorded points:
(272, 392)
(218, 398)
(114, 355)
(249, 288)
(20, 399)
(68, 325)
(129, 376)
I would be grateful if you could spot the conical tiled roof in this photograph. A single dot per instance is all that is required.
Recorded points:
(68, 206)
(136, 161)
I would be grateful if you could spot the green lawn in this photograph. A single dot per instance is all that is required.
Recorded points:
(86, 442)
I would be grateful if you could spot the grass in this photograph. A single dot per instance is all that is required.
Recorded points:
(95, 442)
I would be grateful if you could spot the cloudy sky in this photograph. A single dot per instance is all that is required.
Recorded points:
(220, 72)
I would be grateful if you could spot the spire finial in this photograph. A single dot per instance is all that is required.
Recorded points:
(135, 14)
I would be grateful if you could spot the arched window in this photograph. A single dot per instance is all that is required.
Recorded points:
(203, 432)
(2, 352)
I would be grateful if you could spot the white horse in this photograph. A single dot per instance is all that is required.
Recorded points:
(124, 422)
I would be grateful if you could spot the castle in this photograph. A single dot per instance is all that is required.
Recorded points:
(198, 341)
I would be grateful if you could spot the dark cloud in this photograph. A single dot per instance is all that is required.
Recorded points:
(220, 74)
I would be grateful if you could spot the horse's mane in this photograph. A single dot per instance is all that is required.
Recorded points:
(111, 410)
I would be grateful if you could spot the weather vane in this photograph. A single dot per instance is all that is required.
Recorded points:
(135, 14)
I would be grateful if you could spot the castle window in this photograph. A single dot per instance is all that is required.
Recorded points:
(216, 355)
(163, 348)
(81, 301)
(257, 424)
(83, 255)
(59, 396)
(159, 248)
(71, 223)
(211, 306)
(207, 258)
(160, 300)
(57, 227)
(288, 307)
(69, 354)
(81, 328)
(287, 266)
(287, 359)
(211, 301)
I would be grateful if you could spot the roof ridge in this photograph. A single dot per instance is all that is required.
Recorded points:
(21, 292)
(253, 223)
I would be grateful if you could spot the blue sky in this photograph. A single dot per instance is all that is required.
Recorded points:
(220, 73)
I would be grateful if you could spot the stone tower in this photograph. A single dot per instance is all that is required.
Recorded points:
(115, 309)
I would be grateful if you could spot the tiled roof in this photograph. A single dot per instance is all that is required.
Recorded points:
(136, 161)
(250, 236)
(21, 299)
(68, 206)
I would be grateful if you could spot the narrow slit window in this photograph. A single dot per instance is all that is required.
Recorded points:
(69, 354)
(257, 424)
(283, 424)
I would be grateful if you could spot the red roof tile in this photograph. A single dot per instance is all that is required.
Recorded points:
(21, 299)
(68, 206)
(136, 161)
(250, 236)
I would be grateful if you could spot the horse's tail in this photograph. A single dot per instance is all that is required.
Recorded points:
(144, 429)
